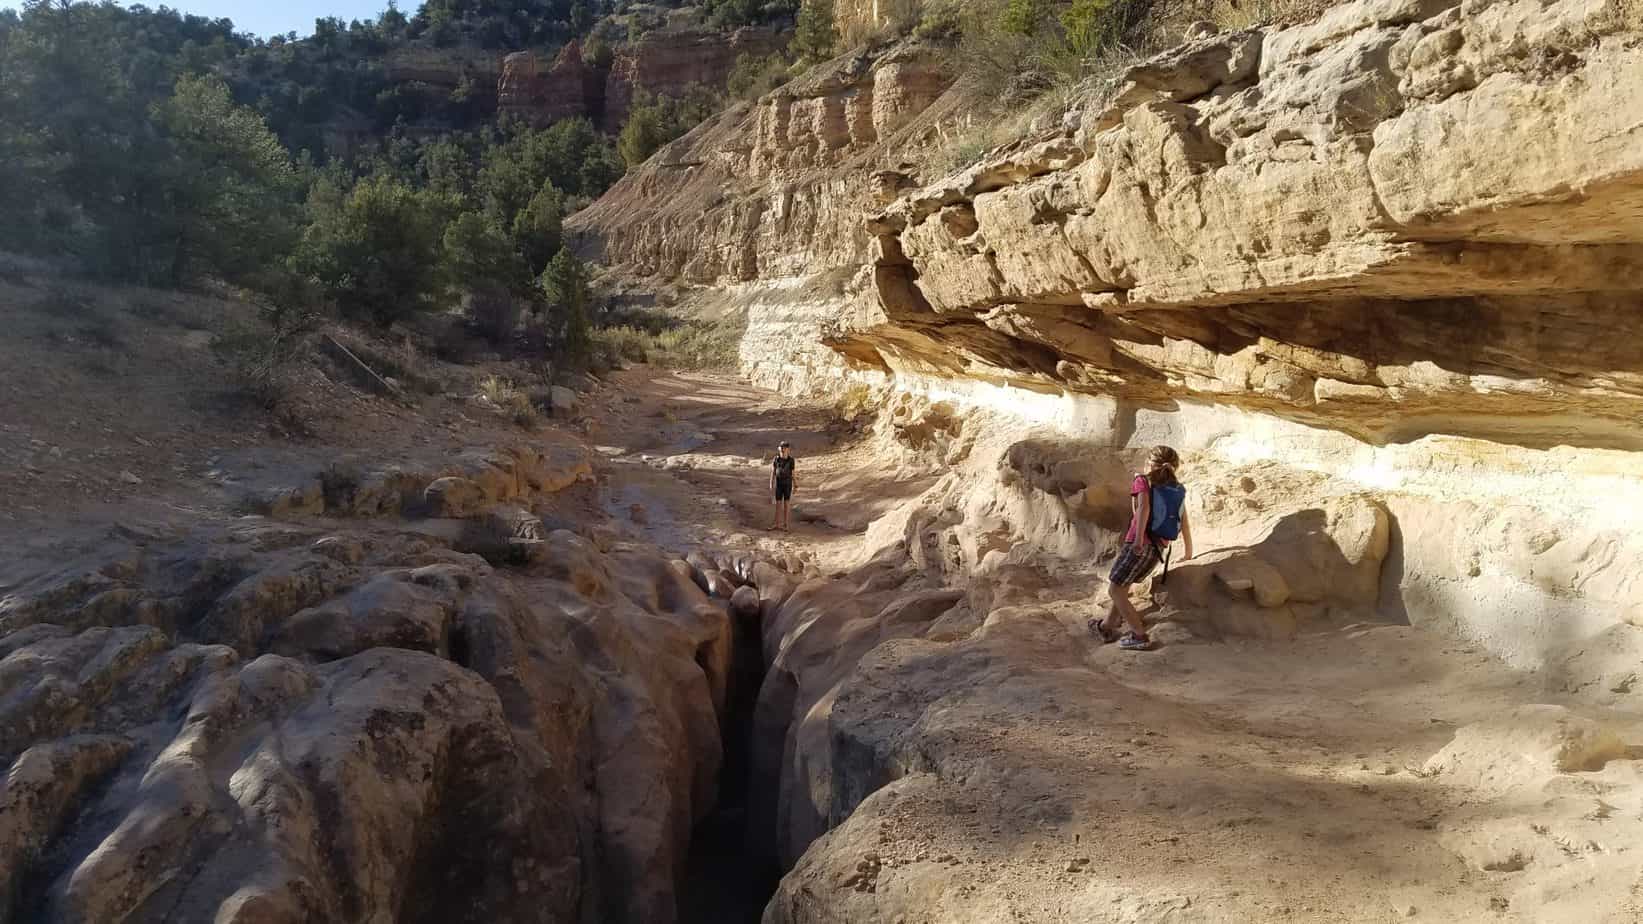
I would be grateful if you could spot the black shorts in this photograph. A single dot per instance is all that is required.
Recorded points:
(1135, 561)
(784, 489)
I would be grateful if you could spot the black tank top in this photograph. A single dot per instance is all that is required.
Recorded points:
(783, 467)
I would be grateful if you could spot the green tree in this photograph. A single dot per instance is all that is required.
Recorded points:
(230, 189)
(814, 36)
(565, 286)
(479, 255)
(570, 154)
(654, 121)
(645, 131)
(376, 250)
(538, 229)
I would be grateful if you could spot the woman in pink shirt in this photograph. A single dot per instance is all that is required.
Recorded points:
(1158, 514)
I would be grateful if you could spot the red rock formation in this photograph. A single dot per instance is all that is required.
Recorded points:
(668, 62)
(566, 88)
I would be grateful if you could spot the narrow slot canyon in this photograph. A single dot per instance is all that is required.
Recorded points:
(727, 878)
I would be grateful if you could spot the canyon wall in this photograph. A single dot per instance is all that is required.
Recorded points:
(1400, 247)
(664, 62)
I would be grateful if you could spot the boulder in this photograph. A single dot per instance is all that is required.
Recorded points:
(744, 603)
(564, 401)
(454, 496)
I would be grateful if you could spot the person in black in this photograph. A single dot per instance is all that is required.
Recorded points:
(781, 484)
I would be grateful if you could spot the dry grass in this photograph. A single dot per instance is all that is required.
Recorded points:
(673, 343)
(510, 399)
(856, 400)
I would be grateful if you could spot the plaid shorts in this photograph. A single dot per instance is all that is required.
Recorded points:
(1135, 561)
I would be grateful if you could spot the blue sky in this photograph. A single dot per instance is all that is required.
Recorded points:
(277, 18)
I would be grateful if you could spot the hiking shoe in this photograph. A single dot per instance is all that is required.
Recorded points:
(1133, 642)
(1098, 628)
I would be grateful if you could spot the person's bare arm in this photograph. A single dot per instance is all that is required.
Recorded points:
(1143, 513)
(1186, 534)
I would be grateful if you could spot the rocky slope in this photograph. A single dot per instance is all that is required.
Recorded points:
(1374, 275)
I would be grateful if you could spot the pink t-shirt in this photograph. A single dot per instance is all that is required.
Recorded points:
(1138, 486)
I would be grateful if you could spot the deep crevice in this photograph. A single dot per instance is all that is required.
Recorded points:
(728, 882)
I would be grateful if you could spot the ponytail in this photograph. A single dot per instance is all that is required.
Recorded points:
(1161, 463)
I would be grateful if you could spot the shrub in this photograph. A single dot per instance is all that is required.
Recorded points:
(1020, 48)
(510, 399)
(753, 77)
(625, 343)
(61, 303)
(597, 53)
(940, 22)
(376, 251)
(494, 313)
(260, 354)
(654, 121)
(674, 343)
(697, 344)
(1243, 14)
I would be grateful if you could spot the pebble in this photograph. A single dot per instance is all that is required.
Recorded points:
(129, 478)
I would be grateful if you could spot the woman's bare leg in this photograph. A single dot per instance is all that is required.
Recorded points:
(1123, 607)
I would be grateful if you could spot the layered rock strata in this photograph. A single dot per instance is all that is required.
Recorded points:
(769, 199)
(1321, 222)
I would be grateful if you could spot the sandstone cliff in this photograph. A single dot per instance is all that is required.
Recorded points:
(1401, 240)
(1375, 274)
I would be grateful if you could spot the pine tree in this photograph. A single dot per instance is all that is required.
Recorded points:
(565, 285)
(814, 36)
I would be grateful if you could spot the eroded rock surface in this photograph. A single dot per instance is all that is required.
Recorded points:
(351, 720)
(977, 757)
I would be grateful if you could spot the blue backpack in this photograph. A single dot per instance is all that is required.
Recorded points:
(1167, 500)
